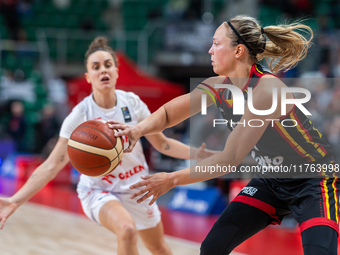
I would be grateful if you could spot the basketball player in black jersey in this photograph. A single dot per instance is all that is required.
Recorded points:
(237, 46)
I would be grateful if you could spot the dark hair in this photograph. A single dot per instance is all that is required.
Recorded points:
(100, 43)
(284, 48)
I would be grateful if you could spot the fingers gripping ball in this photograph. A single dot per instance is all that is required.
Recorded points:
(93, 149)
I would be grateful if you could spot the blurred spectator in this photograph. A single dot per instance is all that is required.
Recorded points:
(23, 48)
(8, 8)
(312, 80)
(291, 8)
(47, 128)
(13, 87)
(238, 7)
(334, 105)
(87, 24)
(326, 42)
(57, 95)
(112, 16)
(61, 4)
(17, 125)
(183, 10)
(25, 8)
(194, 11)
(323, 95)
(175, 9)
(334, 137)
(336, 70)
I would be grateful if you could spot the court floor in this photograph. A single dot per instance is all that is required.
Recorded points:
(39, 230)
(53, 223)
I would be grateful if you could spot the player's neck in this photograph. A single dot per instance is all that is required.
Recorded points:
(240, 75)
(105, 101)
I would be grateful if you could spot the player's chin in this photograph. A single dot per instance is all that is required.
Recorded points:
(215, 69)
(106, 87)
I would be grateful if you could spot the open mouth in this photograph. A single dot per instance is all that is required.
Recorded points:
(105, 79)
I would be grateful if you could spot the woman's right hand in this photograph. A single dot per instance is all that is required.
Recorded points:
(7, 207)
(131, 132)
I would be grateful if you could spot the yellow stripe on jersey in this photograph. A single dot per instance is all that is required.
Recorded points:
(258, 70)
(320, 135)
(327, 197)
(335, 198)
(316, 145)
(293, 141)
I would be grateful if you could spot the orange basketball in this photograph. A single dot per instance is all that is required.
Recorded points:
(93, 149)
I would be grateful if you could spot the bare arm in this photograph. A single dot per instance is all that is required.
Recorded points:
(238, 145)
(39, 178)
(166, 116)
(169, 146)
(176, 149)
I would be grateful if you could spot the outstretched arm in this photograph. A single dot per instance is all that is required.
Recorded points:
(176, 149)
(166, 116)
(241, 140)
(39, 178)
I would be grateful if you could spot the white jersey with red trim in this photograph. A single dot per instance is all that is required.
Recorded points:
(129, 109)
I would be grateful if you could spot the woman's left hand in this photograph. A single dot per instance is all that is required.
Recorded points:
(202, 153)
(155, 185)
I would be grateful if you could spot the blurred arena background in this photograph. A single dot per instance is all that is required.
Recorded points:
(161, 44)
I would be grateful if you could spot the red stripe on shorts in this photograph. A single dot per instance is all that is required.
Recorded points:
(267, 208)
(317, 222)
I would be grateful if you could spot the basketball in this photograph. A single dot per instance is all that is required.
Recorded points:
(93, 149)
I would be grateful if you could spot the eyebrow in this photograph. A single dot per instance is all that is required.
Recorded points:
(96, 62)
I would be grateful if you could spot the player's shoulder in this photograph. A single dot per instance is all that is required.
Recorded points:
(81, 107)
(127, 94)
(211, 81)
(269, 80)
(133, 99)
(120, 92)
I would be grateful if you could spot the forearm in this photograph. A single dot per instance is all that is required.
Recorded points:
(206, 169)
(176, 149)
(167, 116)
(39, 178)
(154, 123)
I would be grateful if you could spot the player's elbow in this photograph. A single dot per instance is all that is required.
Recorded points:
(233, 157)
(162, 145)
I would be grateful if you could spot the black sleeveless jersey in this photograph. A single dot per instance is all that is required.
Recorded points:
(279, 145)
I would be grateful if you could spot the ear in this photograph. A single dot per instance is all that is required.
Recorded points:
(239, 51)
(117, 71)
(87, 78)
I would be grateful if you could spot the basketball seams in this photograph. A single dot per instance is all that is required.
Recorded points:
(85, 152)
(91, 149)
(113, 145)
(118, 157)
(112, 166)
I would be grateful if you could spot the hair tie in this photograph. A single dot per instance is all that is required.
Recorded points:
(262, 30)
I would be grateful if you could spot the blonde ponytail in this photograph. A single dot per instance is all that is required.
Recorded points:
(283, 49)
(286, 47)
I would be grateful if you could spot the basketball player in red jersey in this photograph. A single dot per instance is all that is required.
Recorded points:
(237, 46)
(106, 200)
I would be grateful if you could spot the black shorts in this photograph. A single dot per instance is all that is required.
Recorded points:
(312, 202)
